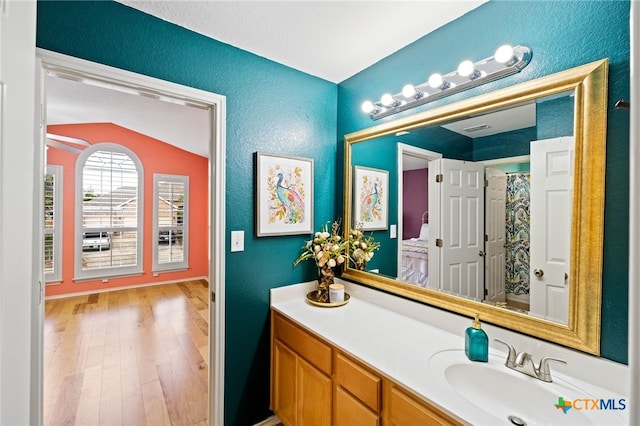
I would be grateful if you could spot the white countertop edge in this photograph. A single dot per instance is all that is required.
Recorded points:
(598, 371)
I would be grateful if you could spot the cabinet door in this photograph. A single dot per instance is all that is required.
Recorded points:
(284, 386)
(350, 411)
(405, 410)
(314, 395)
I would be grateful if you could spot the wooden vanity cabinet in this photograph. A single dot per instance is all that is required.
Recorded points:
(301, 386)
(313, 383)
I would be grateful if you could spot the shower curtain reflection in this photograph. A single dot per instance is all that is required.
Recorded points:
(517, 238)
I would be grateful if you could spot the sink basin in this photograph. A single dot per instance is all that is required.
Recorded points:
(503, 394)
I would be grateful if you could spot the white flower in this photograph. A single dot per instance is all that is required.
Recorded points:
(316, 248)
(369, 256)
(325, 235)
(363, 246)
(331, 263)
(340, 259)
(308, 246)
(335, 248)
(317, 235)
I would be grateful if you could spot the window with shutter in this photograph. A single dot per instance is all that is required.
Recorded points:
(109, 211)
(171, 222)
(53, 224)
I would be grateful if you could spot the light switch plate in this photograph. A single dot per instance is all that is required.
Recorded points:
(393, 231)
(237, 241)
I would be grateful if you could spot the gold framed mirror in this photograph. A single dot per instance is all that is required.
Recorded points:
(587, 87)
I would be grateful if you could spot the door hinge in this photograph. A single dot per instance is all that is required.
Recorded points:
(438, 242)
(486, 238)
(213, 297)
(439, 178)
(486, 292)
(486, 183)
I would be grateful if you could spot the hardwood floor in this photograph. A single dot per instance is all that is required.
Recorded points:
(128, 357)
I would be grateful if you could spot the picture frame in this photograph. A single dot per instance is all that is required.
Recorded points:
(284, 195)
(370, 198)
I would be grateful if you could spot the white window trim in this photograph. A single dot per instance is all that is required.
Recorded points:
(56, 275)
(173, 266)
(79, 273)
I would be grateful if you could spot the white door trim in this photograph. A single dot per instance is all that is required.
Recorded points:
(20, 270)
(416, 152)
(79, 67)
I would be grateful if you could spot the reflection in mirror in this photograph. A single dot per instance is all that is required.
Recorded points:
(490, 204)
(494, 260)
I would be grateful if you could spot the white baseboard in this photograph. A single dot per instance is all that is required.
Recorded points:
(127, 287)
(270, 421)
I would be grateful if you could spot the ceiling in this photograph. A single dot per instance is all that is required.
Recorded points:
(332, 40)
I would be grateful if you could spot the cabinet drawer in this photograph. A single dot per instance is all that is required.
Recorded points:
(307, 346)
(349, 411)
(405, 409)
(358, 380)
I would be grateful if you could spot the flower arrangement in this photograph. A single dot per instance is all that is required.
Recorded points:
(361, 247)
(328, 249)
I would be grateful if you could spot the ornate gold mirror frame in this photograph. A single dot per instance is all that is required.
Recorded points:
(589, 83)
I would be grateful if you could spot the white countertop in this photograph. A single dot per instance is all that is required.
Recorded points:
(397, 337)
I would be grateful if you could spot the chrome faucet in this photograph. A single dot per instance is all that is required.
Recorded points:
(523, 362)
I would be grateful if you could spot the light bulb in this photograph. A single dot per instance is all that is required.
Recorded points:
(387, 100)
(436, 81)
(409, 91)
(466, 69)
(367, 106)
(504, 54)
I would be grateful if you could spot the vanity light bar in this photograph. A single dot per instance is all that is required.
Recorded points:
(506, 61)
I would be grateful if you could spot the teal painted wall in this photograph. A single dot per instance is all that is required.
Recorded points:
(562, 35)
(268, 109)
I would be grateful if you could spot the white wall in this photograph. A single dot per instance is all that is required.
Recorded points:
(18, 269)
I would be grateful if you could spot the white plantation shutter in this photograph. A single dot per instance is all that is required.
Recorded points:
(171, 221)
(110, 210)
(53, 224)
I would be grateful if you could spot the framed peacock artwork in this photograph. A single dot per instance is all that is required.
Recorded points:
(284, 195)
(370, 198)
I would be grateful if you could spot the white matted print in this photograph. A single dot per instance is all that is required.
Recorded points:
(370, 198)
(284, 195)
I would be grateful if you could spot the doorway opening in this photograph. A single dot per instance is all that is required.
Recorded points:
(413, 214)
(100, 86)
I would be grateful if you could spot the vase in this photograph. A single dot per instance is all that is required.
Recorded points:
(360, 266)
(324, 281)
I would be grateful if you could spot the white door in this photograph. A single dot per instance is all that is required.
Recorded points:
(459, 246)
(495, 221)
(550, 209)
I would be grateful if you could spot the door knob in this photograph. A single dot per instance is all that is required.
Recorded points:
(481, 253)
(538, 272)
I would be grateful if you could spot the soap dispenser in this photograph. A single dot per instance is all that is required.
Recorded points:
(476, 342)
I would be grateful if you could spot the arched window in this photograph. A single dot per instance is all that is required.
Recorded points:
(109, 212)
